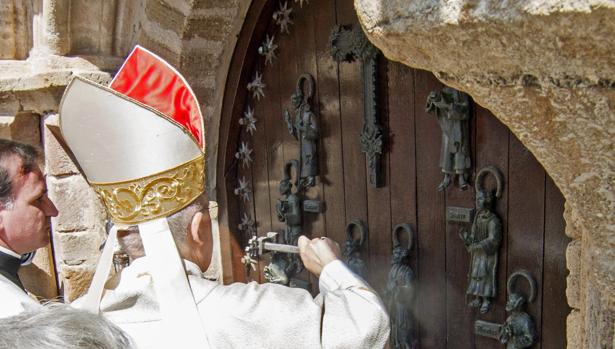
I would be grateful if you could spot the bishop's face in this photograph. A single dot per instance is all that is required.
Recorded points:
(24, 223)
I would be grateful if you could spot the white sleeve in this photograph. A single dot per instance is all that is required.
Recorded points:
(261, 316)
(354, 316)
(350, 315)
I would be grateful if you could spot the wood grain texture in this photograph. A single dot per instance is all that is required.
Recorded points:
(431, 224)
(379, 200)
(401, 171)
(554, 303)
(305, 60)
(492, 149)
(459, 317)
(402, 148)
(331, 157)
(232, 242)
(351, 113)
(262, 187)
(526, 193)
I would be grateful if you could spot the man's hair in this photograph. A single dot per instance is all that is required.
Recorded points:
(59, 326)
(178, 224)
(28, 155)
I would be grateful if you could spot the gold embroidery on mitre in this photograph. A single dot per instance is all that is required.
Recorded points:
(154, 196)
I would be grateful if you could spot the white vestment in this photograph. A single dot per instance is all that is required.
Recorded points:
(347, 313)
(13, 300)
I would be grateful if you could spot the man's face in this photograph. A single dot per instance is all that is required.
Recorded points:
(24, 224)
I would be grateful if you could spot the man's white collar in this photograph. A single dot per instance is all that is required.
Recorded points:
(9, 252)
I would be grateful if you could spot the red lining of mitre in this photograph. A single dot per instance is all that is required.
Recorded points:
(150, 80)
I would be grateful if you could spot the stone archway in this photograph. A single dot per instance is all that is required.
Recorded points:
(546, 69)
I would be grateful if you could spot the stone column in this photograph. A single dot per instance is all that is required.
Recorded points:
(78, 230)
(51, 27)
(8, 29)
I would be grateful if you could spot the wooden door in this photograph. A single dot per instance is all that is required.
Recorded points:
(530, 207)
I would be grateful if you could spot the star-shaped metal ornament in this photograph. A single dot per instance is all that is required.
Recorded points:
(248, 120)
(257, 86)
(249, 262)
(267, 49)
(282, 17)
(307, 2)
(247, 224)
(243, 190)
(244, 154)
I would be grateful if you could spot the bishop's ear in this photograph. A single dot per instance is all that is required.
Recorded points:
(200, 228)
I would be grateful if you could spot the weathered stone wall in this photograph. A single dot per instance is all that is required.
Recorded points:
(43, 43)
(547, 70)
(79, 230)
(15, 29)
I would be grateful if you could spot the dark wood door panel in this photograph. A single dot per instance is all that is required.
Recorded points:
(530, 208)
(459, 318)
(331, 152)
(431, 226)
(402, 149)
(526, 193)
(491, 139)
(554, 303)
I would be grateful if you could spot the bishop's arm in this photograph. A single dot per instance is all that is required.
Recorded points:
(347, 314)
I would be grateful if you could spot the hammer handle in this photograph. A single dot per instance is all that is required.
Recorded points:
(270, 246)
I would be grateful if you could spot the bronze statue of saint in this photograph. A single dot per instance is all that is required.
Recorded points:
(352, 247)
(277, 271)
(483, 242)
(304, 127)
(452, 108)
(400, 293)
(519, 330)
(289, 210)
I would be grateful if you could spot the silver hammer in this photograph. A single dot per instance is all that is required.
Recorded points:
(259, 245)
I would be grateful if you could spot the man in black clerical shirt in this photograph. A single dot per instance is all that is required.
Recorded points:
(24, 219)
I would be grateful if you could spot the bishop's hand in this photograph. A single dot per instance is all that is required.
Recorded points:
(317, 253)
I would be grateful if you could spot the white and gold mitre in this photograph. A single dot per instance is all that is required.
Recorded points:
(141, 145)
(140, 142)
